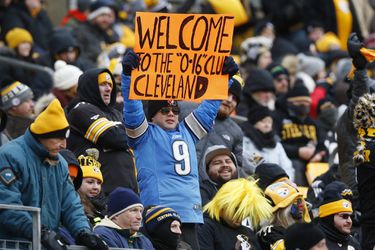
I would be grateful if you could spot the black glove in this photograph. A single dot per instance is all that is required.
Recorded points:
(129, 62)
(354, 46)
(51, 240)
(230, 67)
(92, 241)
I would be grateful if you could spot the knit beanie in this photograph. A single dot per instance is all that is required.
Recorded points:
(302, 236)
(279, 70)
(257, 113)
(51, 123)
(16, 36)
(236, 87)
(336, 199)
(259, 80)
(90, 165)
(100, 7)
(122, 199)
(75, 170)
(216, 150)
(15, 94)
(157, 215)
(310, 65)
(268, 173)
(299, 92)
(155, 106)
(66, 75)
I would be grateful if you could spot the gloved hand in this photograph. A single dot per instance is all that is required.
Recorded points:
(230, 67)
(354, 46)
(51, 240)
(129, 62)
(91, 240)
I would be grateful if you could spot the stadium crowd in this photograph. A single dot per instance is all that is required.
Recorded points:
(284, 162)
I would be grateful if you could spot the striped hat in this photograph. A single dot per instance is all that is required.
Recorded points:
(157, 215)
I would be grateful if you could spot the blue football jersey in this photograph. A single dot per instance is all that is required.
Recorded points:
(166, 160)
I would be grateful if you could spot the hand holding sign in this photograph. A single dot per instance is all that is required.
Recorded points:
(230, 67)
(129, 62)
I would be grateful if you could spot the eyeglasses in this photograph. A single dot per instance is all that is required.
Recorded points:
(345, 216)
(166, 110)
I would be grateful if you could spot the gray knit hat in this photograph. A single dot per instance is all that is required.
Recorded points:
(15, 94)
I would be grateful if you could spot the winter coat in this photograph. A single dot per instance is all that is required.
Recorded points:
(16, 126)
(97, 125)
(346, 133)
(115, 236)
(270, 154)
(27, 179)
(219, 236)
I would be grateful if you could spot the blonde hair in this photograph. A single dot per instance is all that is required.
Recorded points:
(283, 218)
(239, 199)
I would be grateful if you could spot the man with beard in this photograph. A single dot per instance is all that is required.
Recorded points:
(225, 130)
(220, 167)
(335, 217)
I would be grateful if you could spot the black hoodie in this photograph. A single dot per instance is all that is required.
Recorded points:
(97, 125)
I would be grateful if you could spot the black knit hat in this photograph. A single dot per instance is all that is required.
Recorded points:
(155, 106)
(302, 236)
(337, 198)
(299, 91)
(268, 173)
(259, 80)
(257, 113)
(236, 88)
(279, 70)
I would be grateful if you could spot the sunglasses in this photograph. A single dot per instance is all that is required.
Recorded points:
(345, 216)
(166, 110)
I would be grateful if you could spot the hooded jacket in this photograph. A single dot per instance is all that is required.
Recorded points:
(208, 187)
(115, 236)
(38, 184)
(97, 125)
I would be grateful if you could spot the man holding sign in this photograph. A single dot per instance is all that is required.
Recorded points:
(165, 149)
(179, 57)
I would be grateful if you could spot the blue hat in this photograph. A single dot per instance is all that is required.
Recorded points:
(122, 199)
(157, 215)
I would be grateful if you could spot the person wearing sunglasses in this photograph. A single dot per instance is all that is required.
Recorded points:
(165, 151)
(335, 217)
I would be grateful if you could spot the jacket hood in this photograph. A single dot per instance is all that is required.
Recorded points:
(62, 40)
(88, 88)
(211, 153)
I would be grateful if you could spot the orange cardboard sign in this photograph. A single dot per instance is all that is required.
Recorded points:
(182, 56)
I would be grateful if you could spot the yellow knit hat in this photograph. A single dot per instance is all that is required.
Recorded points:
(90, 165)
(16, 36)
(51, 123)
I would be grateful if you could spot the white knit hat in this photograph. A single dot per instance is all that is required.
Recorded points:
(66, 75)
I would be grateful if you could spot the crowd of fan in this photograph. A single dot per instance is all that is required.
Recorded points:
(285, 162)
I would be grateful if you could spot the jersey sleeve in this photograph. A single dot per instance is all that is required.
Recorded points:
(90, 122)
(201, 120)
(134, 117)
